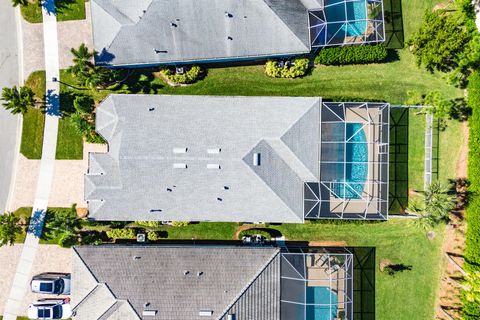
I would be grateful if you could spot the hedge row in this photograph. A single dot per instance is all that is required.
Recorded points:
(471, 309)
(352, 55)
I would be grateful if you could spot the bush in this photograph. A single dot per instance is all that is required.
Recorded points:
(352, 55)
(189, 76)
(127, 233)
(67, 240)
(148, 224)
(180, 223)
(297, 68)
(254, 231)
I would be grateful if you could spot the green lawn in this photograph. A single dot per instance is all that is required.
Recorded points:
(66, 10)
(24, 215)
(69, 143)
(32, 134)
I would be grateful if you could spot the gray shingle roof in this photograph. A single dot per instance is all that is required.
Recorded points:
(137, 175)
(128, 32)
(157, 277)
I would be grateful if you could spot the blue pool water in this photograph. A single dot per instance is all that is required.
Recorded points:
(321, 295)
(341, 11)
(356, 169)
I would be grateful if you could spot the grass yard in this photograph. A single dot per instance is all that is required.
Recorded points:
(24, 215)
(69, 143)
(66, 10)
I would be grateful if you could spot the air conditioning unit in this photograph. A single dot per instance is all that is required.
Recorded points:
(141, 237)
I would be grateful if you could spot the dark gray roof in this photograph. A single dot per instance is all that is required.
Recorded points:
(128, 32)
(137, 175)
(128, 277)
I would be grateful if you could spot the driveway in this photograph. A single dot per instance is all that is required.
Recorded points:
(8, 77)
(49, 258)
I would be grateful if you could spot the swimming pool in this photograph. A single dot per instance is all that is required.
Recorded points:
(321, 295)
(356, 166)
(339, 11)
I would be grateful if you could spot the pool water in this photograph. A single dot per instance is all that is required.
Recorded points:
(356, 166)
(321, 295)
(341, 11)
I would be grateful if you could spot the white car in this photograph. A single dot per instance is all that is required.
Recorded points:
(51, 283)
(50, 309)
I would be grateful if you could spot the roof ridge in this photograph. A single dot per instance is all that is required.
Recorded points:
(268, 4)
(249, 284)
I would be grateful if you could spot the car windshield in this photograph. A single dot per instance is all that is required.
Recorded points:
(46, 287)
(43, 313)
(57, 312)
(59, 286)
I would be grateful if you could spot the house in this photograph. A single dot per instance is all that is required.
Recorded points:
(210, 282)
(248, 159)
(128, 33)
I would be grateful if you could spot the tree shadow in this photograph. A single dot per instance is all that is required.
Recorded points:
(66, 102)
(392, 56)
(51, 106)
(63, 5)
(104, 57)
(36, 223)
(393, 269)
(460, 110)
(49, 6)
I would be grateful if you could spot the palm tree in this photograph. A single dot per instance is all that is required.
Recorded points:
(19, 2)
(18, 101)
(82, 61)
(434, 206)
(9, 228)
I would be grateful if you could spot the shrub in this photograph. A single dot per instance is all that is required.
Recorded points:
(126, 233)
(189, 76)
(152, 236)
(148, 224)
(297, 68)
(352, 55)
(254, 231)
(180, 223)
(67, 240)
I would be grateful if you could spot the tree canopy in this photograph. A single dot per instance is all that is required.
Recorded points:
(439, 42)
(18, 101)
(9, 228)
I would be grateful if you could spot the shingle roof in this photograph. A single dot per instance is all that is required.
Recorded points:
(156, 276)
(137, 175)
(196, 30)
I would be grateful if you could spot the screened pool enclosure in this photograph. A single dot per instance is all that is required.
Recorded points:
(317, 286)
(353, 160)
(339, 22)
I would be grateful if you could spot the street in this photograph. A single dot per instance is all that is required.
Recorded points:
(8, 77)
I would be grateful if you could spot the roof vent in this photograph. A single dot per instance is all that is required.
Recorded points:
(180, 166)
(214, 150)
(185, 272)
(213, 166)
(226, 187)
(256, 159)
(228, 14)
(169, 189)
(173, 24)
(137, 257)
(155, 210)
(149, 313)
(231, 317)
(229, 38)
(219, 199)
(199, 273)
(151, 109)
(205, 313)
(180, 150)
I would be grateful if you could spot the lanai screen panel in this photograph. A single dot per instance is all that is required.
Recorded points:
(316, 285)
(342, 22)
(354, 147)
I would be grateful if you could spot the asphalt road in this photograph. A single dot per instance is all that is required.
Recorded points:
(8, 77)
